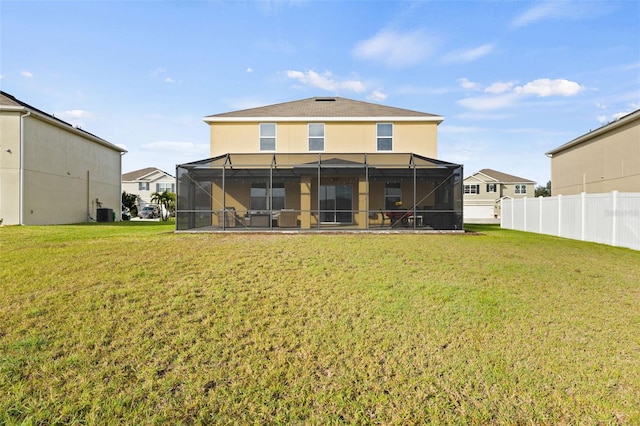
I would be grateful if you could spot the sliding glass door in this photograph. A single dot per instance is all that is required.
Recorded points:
(336, 203)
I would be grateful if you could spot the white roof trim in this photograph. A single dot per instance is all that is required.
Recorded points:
(156, 171)
(436, 119)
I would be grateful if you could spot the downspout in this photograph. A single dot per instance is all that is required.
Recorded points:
(21, 208)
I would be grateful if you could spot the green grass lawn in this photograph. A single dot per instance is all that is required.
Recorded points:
(131, 323)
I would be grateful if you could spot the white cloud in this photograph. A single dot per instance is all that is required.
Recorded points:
(468, 85)
(377, 96)
(249, 69)
(489, 102)
(500, 87)
(326, 81)
(396, 49)
(536, 13)
(182, 148)
(169, 80)
(27, 74)
(603, 119)
(469, 55)
(554, 9)
(545, 87)
(503, 94)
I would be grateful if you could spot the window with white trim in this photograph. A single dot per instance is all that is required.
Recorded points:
(316, 136)
(165, 186)
(521, 189)
(267, 136)
(384, 135)
(472, 189)
(143, 186)
(491, 187)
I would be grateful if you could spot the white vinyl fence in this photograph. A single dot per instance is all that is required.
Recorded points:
(611, 218)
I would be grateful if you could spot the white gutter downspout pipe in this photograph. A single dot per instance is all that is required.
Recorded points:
(21, 209)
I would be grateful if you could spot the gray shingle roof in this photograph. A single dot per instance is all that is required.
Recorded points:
(137, 174)
(325, 107)
(503, 177)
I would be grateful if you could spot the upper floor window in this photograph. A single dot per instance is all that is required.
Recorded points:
(165, 186)
(267, 136)
(143, 186)
(384, 134)
(316, 137)
(472, 189)
(491, 187)
(521, 189)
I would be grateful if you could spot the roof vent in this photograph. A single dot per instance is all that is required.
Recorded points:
(325, 99)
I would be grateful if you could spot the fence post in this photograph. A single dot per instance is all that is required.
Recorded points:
(560, 215)
(583, 215)
(614, 221)
(540, 214)
(512, 223)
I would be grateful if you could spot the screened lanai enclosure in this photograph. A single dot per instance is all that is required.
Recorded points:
(319, 191)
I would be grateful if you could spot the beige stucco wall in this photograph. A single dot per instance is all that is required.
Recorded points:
(10, 167)
(64, 173)
(340, 137)
(608, 162)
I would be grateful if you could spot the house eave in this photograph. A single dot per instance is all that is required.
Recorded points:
(62, 125)
(430, 119)
(595, 133)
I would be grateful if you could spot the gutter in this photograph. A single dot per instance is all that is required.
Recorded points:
(284, 119)
(21, 208)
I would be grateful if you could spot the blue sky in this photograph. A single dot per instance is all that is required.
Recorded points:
(513, 79)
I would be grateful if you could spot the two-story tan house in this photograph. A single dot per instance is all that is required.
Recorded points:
(52, 172)
(484, 190)
(603, 160)
(321, 163)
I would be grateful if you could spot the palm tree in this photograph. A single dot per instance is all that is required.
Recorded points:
(166, 200)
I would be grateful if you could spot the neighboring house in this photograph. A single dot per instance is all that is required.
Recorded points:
(484, 190)
(604, 160)
(145, 182)
(321, 163)
(52, 172)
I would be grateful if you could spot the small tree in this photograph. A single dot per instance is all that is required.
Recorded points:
(130, 201)
(543, 191)
(165, 199)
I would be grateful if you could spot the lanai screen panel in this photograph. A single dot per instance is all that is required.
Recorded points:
(217, 192)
